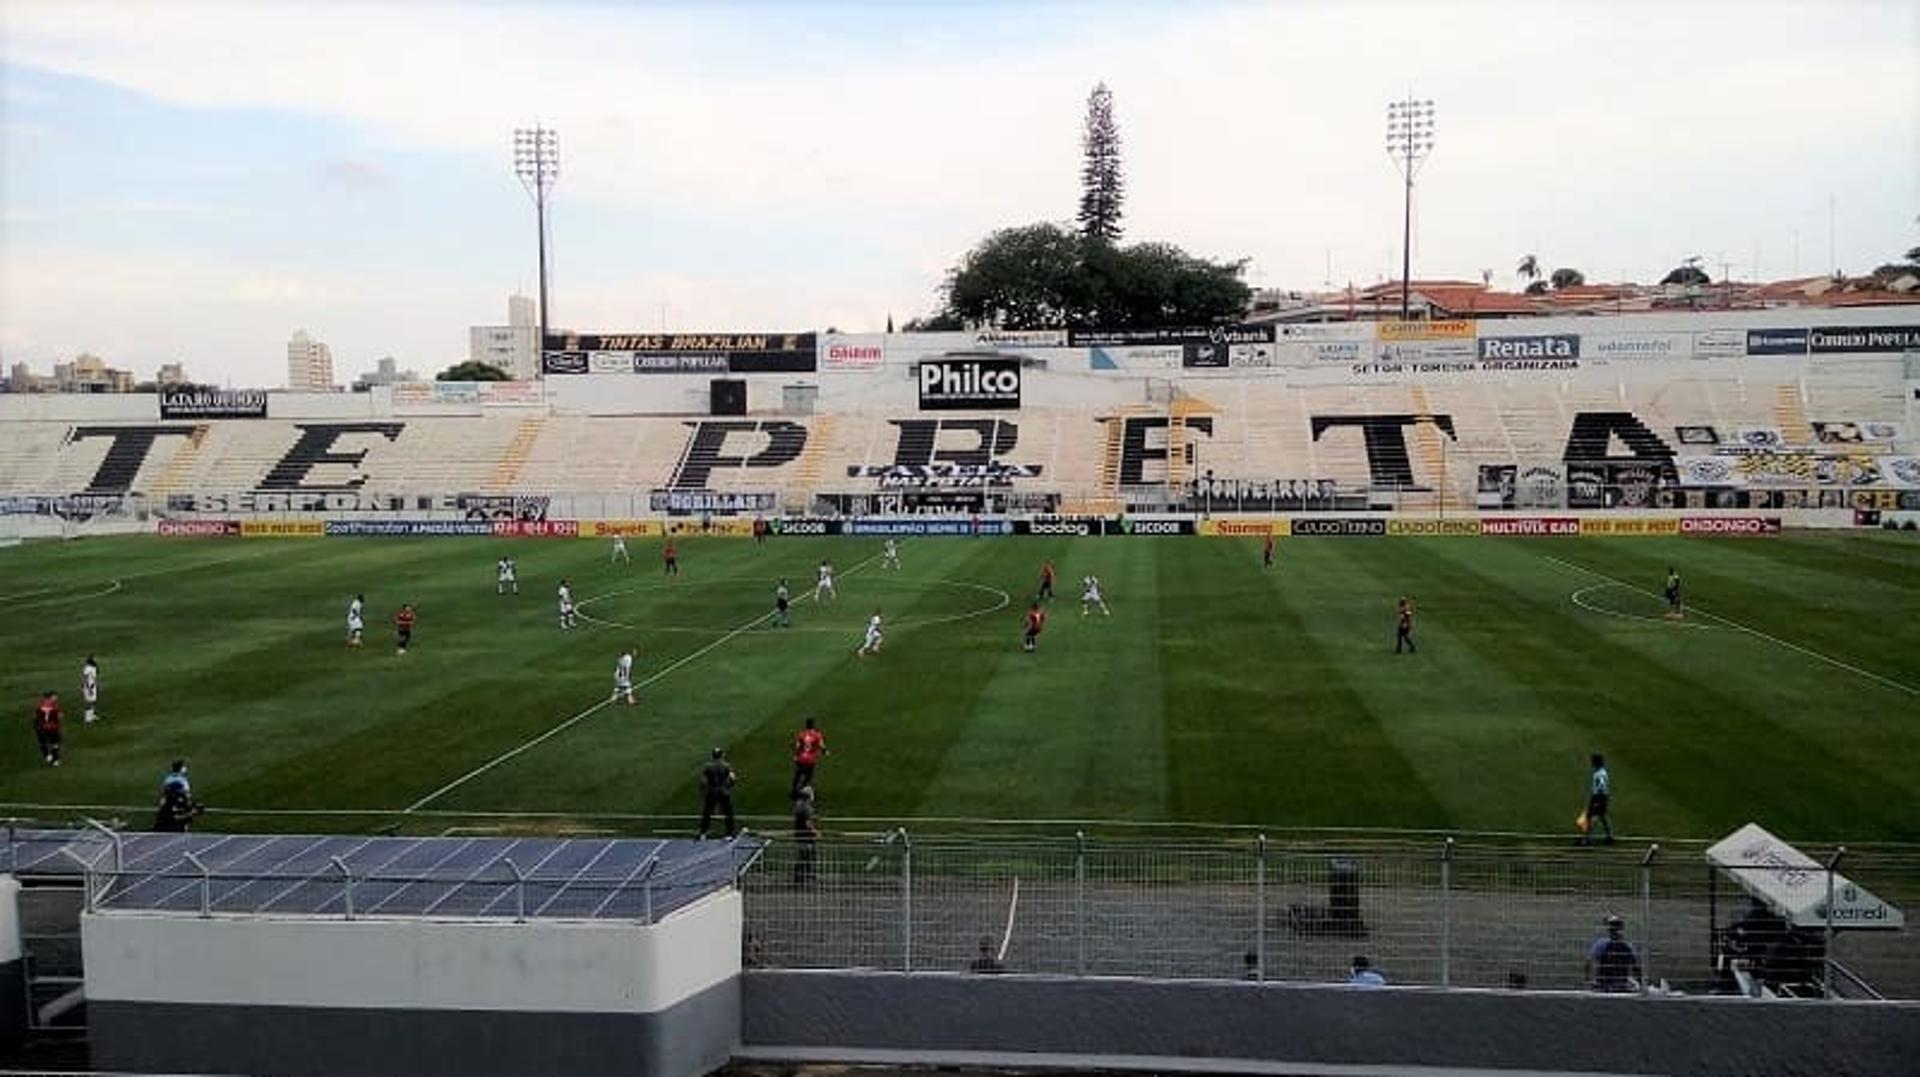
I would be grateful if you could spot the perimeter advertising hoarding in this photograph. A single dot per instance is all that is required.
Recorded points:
(213, 404)
(1828, 340)
(681, 353)
(968, 383)
(1776, 342)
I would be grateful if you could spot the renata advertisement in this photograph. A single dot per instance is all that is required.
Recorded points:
(1530, 525)
(1736, 526)
(536, 528)
(198, 528)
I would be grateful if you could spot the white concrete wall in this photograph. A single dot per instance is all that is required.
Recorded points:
(9, 919)
(545, 966)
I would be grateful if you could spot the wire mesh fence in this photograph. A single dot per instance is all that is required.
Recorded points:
(1433, 913)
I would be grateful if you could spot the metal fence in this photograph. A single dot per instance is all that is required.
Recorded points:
(1438, 913)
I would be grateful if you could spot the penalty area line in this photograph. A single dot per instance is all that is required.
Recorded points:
(601, 705)
(1751, 631)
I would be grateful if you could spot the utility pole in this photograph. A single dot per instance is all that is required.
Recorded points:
(1409, 141)
(536, 160)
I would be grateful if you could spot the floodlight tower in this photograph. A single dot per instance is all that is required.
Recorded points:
(536, 160)
(1409, 141)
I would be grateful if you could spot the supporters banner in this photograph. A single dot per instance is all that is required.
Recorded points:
(1432, 528)
(962, 526)
(1201, 355)
(1879, 432)
(282, 528)
(1776, 342)
(1631, 525)
(536, 528)
(689, 502)
(1760, 437)
(1903, 471)
(1697, 435)
(971, 383)
(596, 529)
(65, 507)
(197, 528)
(213, 403)
(1735, 526)
(1447, 330)
(1838, 433)
(1246, 527)
(407, 528)
(1339, 526)
(683, 353)
(1863, 338)
(1531, 526)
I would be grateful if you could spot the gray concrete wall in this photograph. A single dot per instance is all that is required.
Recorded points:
(693, 1037)
(1159, 1024)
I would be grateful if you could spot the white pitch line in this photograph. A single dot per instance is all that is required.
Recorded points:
(900, 626)
(597, 707)
(1756, 633)
(1578, 601)
(1013, 904)
(111, 587)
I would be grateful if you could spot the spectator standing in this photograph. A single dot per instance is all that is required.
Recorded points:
(1363, 974)
(716, 792)
(1599, 799)
(805, 837)
(987, 962)
(808, 746)
(1612, 964)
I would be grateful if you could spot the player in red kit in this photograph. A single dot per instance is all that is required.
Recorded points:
(1046, 580)
(1266, 555)
(403, 628)
(808, 746)
(671, 555)
(1036, 621)
(46, 727)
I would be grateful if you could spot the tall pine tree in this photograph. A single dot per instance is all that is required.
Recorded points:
(1101, 188)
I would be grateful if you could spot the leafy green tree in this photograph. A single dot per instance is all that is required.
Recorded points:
(1567, 278)
(1046, 276)
(1101, 188)
(1528, 269)
(473, 370)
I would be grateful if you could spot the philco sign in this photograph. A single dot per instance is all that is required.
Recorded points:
(969, 383)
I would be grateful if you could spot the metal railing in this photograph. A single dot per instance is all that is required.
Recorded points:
(1439, 912)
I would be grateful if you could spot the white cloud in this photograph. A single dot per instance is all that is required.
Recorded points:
(1613, 137)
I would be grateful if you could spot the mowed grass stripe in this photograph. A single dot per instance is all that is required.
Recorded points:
(1072, 730)
(1261, 727)
(1455, 712)
(1672, 711)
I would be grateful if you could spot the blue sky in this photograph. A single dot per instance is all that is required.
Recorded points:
(197, 180)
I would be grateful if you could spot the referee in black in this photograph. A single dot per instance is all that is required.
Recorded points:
(716, 792)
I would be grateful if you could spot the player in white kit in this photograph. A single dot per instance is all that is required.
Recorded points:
(90, 686)
(508, 577)
(892, 557)
(356, 622)
(874, 638)
(619, 551)
(566, 604)
(1090, 596)
(623, 677)
(824, 589)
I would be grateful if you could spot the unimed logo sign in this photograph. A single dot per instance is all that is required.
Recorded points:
(967, 384)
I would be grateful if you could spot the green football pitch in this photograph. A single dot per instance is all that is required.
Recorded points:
(1216, 693)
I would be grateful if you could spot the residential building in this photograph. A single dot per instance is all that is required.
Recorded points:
(386, 371)
(23, 380)
(309, 365)
(171, 374)
(514, 347)
(88, 373)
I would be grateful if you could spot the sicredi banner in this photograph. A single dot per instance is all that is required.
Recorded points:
(1147, 525)
(968, 383)
(213, 404)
